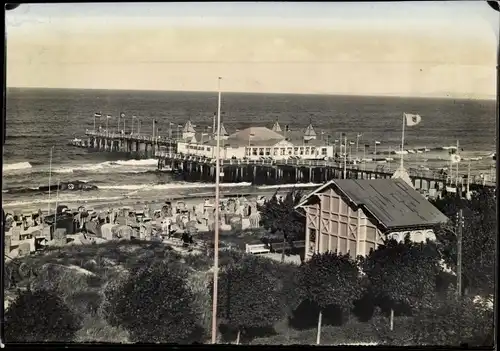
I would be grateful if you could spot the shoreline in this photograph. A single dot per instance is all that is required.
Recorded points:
(155, 201)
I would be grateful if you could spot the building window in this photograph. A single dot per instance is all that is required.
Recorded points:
(247, 151)
(312, 240)
(307, 150)
(295, 151)
(301, 150)
(261, 151)
(323, 151)
(313, 150)
(208, 149)
(275, 152)
(282, 151)
(290, 151)
(254, 151)
(268, 151)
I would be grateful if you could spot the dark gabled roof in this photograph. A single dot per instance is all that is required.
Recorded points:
(392, 202)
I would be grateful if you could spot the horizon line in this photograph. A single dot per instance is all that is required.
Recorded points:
(447, 97)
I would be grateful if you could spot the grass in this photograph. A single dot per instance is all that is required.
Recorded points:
(106, 265)
(81, 274)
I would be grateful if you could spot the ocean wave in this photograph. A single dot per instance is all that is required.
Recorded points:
(17, 166)
(174, 186)
(61, 200)
(120, 166)
(298, 185)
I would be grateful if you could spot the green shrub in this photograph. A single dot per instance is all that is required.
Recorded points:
(40, 316)
(154, 305)
(452, 322)
(254, 294)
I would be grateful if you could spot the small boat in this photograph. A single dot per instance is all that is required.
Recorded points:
(71, 186)
(389, 159)
(399, 152)
(411, 151)
(420, 151)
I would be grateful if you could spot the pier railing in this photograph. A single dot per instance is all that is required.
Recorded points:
(428, 174)
(133, 136)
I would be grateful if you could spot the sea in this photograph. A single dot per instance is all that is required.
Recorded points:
(39, 119)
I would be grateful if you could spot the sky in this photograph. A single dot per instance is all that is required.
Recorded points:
(427, 49)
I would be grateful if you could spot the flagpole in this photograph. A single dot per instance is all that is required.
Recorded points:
(403, 142)
(390, 153)
(375, 151)
(216, 229)
(456, 173)
(57, 204)
(50, 176)
(345, 157)
(357, 145)
(364, 157)
(94, 122)
(153, 141)
(468, 178)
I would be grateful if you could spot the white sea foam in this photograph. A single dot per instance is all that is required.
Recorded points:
(62, 199)
(16, 166)
(148, 162)
(298, 185)
(172, 186)
(125, 166)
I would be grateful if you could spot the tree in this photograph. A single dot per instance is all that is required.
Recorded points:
(329, 279)
(478, 238)
(40, 316)
(254, 293)
(403, 274)
(154, 305)
(280, 217)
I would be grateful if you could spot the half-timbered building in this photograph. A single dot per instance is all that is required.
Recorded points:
(354, 216)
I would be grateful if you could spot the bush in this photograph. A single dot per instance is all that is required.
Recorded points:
(254, 294)
(452, 322)
(154, 305)
(330, 281)
(40, 316)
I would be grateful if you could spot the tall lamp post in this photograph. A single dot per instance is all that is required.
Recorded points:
(216, 229)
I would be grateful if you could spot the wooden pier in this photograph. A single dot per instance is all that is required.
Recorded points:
(141, 144)
(276, 172)
(258, 172)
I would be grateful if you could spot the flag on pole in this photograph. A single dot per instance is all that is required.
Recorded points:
(97, 115)
(412, 119)
(352, 143)
(108, 116)
(171, 123)
(179, 125)
(377, 142)
(359, 135)
(122, 114)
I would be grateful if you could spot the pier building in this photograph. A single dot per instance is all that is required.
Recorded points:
(255, 143)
